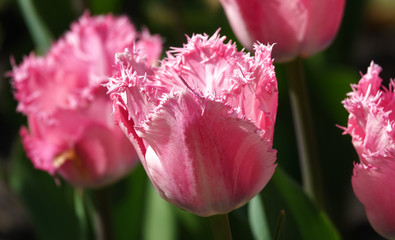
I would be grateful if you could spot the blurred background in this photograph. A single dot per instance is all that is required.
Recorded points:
(34, 206)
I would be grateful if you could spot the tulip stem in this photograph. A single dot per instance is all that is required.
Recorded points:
(305, 134)
(280, 223)
(81, 213)
(221, 227)
(100, 214)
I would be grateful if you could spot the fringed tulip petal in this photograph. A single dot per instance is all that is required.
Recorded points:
(203, 120)
(371, 126)
(195, 143)
(71, 131)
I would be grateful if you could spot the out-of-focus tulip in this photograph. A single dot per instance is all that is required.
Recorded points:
(371, 125)
(297, 27)
(71, 130)
(202, 121)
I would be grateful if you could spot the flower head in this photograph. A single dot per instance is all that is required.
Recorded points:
(202, 121)
(371, 125)
(71, 131)
(299, 28)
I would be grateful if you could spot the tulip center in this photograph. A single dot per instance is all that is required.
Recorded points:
(64, 156)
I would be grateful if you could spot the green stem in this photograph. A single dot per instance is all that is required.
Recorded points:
(100, 214)
(221, 227)
(280, 222)
(80, 212)
(304, 127)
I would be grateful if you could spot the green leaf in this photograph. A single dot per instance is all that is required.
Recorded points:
(128, 198)
(49, 206)
(257, 218)
(303, 219)
(41, 36)
(160, 222)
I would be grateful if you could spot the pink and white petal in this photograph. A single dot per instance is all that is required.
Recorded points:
(257, 99)
(370, 82)
(205, 65)
(204, 159)
(94, 41)
(121, 117)
(150, 45)
(211, 68)
(36, 83)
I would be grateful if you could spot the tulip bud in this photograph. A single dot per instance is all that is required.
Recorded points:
(298, 28)
(202, 121)
(70, 131)
(371, 124)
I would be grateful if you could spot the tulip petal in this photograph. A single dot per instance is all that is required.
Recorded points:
(121, 117)
(71, 130)
(323, 23)
(100, 156)
(281, 22)
(372, 128)
(213, 69)
(297, 27)
(377, 193)
(204, 159)
(39, 151)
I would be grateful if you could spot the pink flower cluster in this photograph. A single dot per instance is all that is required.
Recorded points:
(371, 125)
(71, 131)
(202, 122)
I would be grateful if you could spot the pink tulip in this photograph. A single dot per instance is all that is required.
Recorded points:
(297, 27)
(71, 130)
(202, 121)
(371, 125)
